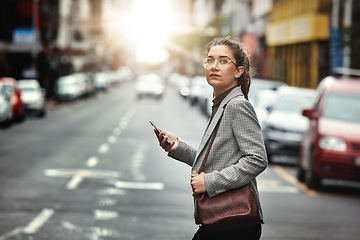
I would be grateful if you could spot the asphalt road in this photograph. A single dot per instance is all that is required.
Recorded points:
(92, 170)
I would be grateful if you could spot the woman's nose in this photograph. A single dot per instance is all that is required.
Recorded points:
(215, 65)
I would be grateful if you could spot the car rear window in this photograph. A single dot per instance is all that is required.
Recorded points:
(343, 106)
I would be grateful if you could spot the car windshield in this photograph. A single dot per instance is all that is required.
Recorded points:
(343, 106)
(294, 102)
(29, 89)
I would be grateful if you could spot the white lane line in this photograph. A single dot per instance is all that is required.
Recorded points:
(92, 162)
(72, 227)
(116, 131)
(39, 221)
(278, 189)
(74, 182)
(111, 191)
(13, 232)
(100, 214)
(103, 148)
(137, 163)
(139, 185)
(112, 139)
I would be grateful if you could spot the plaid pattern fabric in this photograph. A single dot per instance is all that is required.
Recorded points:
(238, 153)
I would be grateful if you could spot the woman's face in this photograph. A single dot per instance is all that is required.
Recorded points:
(222, 78)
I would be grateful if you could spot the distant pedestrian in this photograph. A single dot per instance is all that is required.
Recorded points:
(238, 153)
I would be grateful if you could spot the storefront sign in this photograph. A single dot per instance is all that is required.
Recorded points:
(24, 36)
(298, 29)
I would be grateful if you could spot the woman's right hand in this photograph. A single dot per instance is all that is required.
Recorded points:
(163, 136)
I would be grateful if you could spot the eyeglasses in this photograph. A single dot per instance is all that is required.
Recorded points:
(222, 63)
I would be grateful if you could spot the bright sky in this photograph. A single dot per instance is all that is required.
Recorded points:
(150, 29)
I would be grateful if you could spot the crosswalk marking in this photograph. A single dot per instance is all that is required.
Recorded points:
(39, 221)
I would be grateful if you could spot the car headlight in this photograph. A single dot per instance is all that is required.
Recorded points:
(332, 143)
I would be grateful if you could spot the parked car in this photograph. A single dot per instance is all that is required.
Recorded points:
(198, 85)
(151, 85)
(33, 96)
(11, 88)
(5, 107)
(285, 124)
(69, 88)
(86, 82)
(101, 81)
(263, 102)
(258, 85)
(330, 148)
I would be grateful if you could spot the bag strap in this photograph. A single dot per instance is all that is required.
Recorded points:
(212, 140)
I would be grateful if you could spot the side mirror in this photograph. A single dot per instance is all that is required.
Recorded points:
(310, 113)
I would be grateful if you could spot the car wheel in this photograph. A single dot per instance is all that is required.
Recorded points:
(301, 173)
(311, 180)
(41, 113)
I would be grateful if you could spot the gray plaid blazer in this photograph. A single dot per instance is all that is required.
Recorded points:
(238, 152)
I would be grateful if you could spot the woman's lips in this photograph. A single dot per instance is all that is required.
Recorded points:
(214, 75)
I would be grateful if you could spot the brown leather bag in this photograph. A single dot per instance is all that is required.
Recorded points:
(236, 208)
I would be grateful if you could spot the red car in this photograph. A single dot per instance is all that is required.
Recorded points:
(10, 86)
(330, 148)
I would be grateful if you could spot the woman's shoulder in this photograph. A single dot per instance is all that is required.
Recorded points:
(239, 102)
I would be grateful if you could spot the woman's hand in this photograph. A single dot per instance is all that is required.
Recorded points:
(198, 183)
(164, 137)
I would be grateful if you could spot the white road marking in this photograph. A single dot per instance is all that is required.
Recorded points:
(103, 148)
(13, 232)
(139, 185)
(126, 118)
(69, 226)
(39, 221)
(74, 182)
(111, 191)
(86, 173)
(104, 214)
(78, 175)
(106, 202)
(278, 189)
(112, 139)
(116, 131)
(137, 162)
(92, 162)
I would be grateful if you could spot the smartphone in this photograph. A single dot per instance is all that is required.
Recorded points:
(158, 131)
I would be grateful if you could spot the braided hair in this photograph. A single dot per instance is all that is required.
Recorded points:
(242, 59)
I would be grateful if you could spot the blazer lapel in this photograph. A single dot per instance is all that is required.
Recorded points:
(210, 129)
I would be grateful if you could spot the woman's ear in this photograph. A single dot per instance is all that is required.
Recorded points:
(239, 72)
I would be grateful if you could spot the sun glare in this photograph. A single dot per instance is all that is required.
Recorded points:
(150, 29)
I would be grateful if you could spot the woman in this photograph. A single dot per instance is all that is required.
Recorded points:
(238, 154)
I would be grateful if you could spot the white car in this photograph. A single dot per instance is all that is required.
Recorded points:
(69, 87)
(285, 124)
(150, 85)
(33, 96)
(5, 107)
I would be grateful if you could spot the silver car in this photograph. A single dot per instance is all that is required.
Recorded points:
(285, 123)
(151, 85)
(33, 96)
(5, 107)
